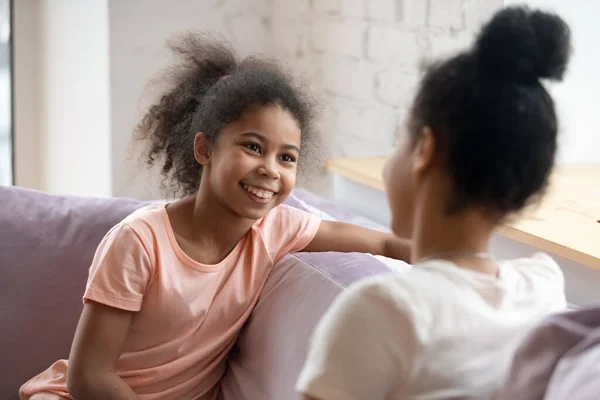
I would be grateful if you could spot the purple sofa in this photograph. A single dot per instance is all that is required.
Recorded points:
(46, 246)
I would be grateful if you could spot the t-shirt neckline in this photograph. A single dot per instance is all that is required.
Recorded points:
(435, 263)
(189, 261)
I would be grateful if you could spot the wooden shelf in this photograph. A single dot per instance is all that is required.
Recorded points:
(566, 223)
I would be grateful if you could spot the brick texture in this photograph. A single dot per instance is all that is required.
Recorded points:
(362, 56)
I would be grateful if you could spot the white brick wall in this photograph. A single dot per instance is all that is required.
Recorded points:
(363, 56)
(344, 38)
(389, 44)
(382, 10)
(352, 9)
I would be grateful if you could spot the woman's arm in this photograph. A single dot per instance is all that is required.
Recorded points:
(343, 237)
(97, 346)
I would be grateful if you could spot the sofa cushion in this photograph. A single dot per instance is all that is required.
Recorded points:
(559, 359)
(46, 247)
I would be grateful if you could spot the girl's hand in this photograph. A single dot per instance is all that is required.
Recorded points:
(347, 238)
(97, 346)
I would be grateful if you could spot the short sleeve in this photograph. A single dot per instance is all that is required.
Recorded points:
(121, 270)
(361, 348)
(288, 229)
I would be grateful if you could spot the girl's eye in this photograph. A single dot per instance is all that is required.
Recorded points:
(253, 147)
(288, 158)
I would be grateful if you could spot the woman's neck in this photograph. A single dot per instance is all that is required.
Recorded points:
(461, 238)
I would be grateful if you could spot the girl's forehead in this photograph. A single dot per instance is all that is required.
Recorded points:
(272, 122)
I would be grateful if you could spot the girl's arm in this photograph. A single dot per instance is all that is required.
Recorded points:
(97, 346)
(343, 237)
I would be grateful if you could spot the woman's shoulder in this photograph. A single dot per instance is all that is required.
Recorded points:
(391, 290)
(538, 267)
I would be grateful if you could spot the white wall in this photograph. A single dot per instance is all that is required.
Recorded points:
(81, 69)
(26, 116)
(577, 96)
(139, 30)
(74, 113)
(363, 55)
(62, 115)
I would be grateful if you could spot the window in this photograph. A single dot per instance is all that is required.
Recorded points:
(6, 129)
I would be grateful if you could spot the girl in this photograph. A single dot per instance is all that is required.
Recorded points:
(480, 145)
(171, 286)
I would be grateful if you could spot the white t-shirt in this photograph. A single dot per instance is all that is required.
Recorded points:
(435, 332)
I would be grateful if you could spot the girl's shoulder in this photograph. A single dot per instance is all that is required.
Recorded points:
(146, 224)
(149, 215)
(281, 215)
(286, 229)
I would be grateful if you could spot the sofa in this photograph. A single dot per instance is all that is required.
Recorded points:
(46, 246)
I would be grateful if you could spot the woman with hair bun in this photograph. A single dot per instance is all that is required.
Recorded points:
(479, 146)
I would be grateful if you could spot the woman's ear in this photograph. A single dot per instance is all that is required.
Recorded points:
(424, 154)
(201, 149)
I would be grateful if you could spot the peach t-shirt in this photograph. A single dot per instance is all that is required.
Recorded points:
(187, 315)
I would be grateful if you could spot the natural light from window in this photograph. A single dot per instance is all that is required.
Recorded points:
(6, 172)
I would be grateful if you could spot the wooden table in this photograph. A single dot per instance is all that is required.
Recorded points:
(566, 223)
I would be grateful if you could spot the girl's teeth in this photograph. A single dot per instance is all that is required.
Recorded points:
(258, 192)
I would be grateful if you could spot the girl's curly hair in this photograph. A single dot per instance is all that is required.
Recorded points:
(198, 99)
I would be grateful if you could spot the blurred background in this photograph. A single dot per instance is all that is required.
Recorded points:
(73, 75)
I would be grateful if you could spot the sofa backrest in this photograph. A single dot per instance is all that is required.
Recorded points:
(46, 246)
(559, 359)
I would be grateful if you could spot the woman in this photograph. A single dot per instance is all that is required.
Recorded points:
(480, 146)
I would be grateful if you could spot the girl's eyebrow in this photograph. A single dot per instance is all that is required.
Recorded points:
(264, 139)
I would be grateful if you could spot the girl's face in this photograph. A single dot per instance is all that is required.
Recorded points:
(251, 167)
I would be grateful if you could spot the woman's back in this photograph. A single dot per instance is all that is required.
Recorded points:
(441, 332)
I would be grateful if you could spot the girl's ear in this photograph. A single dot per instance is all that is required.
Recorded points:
(424, 154)
(201, 149)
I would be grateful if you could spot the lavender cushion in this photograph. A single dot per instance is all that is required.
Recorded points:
(46, 246)
(559, 359)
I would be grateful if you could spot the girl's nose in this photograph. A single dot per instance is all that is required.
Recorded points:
(269, 169)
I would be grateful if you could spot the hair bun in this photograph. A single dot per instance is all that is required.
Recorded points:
(522, 45)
